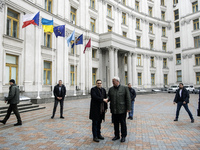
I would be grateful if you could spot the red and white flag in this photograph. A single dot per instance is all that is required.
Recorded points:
(87, 45)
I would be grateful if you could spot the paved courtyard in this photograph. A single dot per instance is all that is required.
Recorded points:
(152, 127)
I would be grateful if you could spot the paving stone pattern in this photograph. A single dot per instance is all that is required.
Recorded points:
(152, 128)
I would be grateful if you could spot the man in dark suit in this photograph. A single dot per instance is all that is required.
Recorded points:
(182, 99)
(13, 100)
(133, 96)
(59, 93)
(98, 108)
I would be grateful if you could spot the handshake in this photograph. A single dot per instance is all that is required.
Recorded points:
(105, 100)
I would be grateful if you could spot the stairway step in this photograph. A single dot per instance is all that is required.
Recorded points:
(25, 110)
(19, 105)
(21, 108)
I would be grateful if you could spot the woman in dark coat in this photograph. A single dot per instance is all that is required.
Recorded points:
(98, 108)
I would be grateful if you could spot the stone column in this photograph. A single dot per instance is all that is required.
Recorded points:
(116, 62)
(129, 67)
(145, 74)
(134, 71)
(111, 64)
(100, 64)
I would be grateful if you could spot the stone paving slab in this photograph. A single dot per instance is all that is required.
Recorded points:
(152, 128)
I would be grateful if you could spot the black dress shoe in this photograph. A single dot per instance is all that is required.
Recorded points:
(96, 139)
(18, 124)
(52, 117)
(128, 117)
(62, 117)
(175, 119)
(2, 121)
(131, 118)
(123, 139)
(192, 121)
(100, 137)
(116, 138)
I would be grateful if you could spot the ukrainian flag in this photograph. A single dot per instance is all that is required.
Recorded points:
(47, 25)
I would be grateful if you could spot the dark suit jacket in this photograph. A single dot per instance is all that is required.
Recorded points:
(56, 91)
(132, 94)
(185, 96)
(96, 101)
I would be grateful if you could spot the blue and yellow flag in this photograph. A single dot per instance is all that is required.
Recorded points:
(59, 31)
(79, 40)
(47, 25)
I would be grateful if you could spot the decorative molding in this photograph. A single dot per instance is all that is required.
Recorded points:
(2, 4)
(170, 58)
(190, 55)
(184, 56)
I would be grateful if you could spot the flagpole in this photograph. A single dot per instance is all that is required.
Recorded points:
(38, 97)
(53, 43)
(75, 71)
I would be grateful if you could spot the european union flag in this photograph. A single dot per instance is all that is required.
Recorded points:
(59, 31)
(79, 40)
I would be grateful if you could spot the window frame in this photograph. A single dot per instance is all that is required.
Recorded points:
(93, 24)
(137, 23)
(151, 43)
(197, 76)
(151, 28)
(152, 62)
(197, 41)
(46, 69)
(124, 34)
(176, 26)
(178, 59)
(13, 19)
(164, 62)
(123, 18)
(139, 60)
(138, 41)
(73, 14)
(196, 24)
(137, 6)
(165, 79)
(74, 75)
(109, 11)
(163, 15)
(47, 5)
(176, 43)
(195, 6)
(150, 11)
(177, 76)
(176, 15)
(164, 31)
(94, 76)
(139, 78)
(153, 79)
(13, 65)
(164, 46)
(162, 2)
(126, 78)
(197, 60)
(91, 2)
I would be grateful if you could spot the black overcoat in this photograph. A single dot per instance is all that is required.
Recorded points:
(185, 96)
(56, 91)
(96, 100)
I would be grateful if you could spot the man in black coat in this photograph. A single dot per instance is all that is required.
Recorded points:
(98, 108)
(59, 93)
(133, 96)
(182, 99)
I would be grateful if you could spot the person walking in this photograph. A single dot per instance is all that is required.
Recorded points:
(133, 96)
(120, 104)
(182, 99)
(13, 100)
(98, 108)
(59, 93)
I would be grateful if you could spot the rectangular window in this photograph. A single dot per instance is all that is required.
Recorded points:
(73, 15)
(176, 15)
(164, 47)
(48, 5)
(48, 39)
(109, 29)
(109, 11)
(177, 42)
(152, 61)
(124, 18)
(176, 24)
(196, 24)
(139, 60)
(94, 75)
(197, 41)
(94, 53)
(92, 4)
(150, 11)
(92, 24)
(152, 79)
(179, 76)
(12, 23)
(126, 78)
(164, 62)
(178, 59)
(138, 41)
(124, 2)
(47, 73)
(11, 68)
(137, 6)
(195, 7)
(74, 49)
(162, 2)
(197, 59)
(125, 59)
(198, 77)
(163, 15)
(175, 1)
(124, 34)
(163, 31)
(165, 79)
(139, 78)
(73, 74)
(150, 28)
(138, 24)
(151, 44)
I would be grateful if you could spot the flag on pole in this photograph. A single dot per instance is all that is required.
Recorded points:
(79, 40)
(87, 45)
(59, 31)
(47, 25)
(31, 19)
(71, 37)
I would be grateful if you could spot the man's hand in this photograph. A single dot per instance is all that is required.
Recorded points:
(128, 111)
(184, 102)
(105, 100)
(174, 103)
(106, 111)
(5, 101)
(59, 98)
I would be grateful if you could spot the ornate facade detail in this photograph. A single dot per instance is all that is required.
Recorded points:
(184, 56)
(170, 58)
(2, 3)
(190, 55)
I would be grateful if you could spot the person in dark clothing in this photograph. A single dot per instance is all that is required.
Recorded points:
(120, 104)
(198, 110)
(98, 108)
(133, 96)
(59, 93)
(13, 100)
(182, 99)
